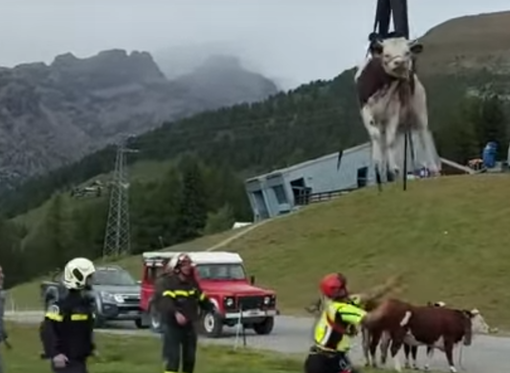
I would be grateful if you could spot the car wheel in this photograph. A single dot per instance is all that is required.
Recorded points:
(155, 319)
(265, 327)
(99, 322)
(140, 323)
(211, 324)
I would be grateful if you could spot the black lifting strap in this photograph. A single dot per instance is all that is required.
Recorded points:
(385, 9)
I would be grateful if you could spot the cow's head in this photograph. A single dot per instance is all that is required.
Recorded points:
(396, 55)
(478, 323)
(474, 324)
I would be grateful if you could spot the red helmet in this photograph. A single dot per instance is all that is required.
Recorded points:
(334, 285)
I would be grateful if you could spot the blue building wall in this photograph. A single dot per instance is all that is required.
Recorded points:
(274, 193)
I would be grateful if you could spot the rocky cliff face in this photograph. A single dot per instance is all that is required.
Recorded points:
(54, 114)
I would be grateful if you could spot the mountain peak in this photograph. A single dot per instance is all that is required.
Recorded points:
(108, 68)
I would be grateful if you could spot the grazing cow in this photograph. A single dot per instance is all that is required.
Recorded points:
(393, 101)
(438, 327)
(413, 349)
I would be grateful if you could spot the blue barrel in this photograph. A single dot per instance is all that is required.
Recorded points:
(489, 154)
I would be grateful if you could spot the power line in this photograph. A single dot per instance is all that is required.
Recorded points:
(117, 239)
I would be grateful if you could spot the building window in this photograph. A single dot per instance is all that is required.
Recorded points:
(279, 193)
(362, 177)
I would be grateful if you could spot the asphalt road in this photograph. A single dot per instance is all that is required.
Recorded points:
(292, 335)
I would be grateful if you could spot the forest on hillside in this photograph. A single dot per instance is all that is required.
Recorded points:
(188, 200)
(214, 151)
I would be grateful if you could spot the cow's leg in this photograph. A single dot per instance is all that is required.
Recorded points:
(384, 345)
(427, 144)
(430, 354)
(407, 351)
(414, 356)
(375, 338)
(365, 343)
(396, 344)
(378, 156)
(370, 124)
(410, 350)
(448, 350)
(392, 138)
(425, 136)
(419, 106)
(376, 137)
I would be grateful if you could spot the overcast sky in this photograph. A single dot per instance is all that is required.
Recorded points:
(296, 40)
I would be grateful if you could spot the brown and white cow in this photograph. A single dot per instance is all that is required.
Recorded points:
(393, 101)
(412, 350)
(438, 327)
(377, 334)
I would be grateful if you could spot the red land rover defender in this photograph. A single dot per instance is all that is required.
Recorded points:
(222, 277)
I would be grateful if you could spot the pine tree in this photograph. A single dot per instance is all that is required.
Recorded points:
(192, 216)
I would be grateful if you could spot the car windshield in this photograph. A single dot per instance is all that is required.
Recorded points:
(231, 271)
(113, 277)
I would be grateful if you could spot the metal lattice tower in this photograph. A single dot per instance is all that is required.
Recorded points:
(117, 238)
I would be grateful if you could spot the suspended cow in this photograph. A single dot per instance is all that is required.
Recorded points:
(393, 101)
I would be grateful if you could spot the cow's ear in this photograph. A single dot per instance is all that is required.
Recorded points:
(416, 47)
(468, 314)
(474, 312)
(376, 48)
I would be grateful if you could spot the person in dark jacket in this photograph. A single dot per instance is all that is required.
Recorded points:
(67, 329)
(179, 301)
(3, 332)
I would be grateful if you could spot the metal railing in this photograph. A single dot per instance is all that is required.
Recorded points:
(305, 199)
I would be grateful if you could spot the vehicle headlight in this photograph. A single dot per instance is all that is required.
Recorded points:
(229, 302)
(111, 298)
(267, 300)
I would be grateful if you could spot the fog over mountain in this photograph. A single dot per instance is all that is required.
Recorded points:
(294, 41)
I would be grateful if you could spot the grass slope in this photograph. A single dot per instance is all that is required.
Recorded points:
(448, 238)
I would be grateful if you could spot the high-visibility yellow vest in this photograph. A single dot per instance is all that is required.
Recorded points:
(330, 330)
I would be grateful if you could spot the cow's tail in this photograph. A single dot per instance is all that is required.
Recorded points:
(406, 318)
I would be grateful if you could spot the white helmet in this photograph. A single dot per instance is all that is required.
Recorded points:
(76, 273)
(177, 259)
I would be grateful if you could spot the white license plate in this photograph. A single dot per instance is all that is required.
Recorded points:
(253, 313)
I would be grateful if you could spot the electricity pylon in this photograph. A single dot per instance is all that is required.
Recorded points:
(117, 240)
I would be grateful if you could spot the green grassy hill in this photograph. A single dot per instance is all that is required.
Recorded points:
(447, 237)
